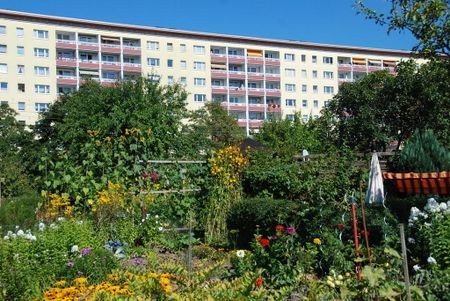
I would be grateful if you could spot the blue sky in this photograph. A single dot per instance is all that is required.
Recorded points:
(320, 21)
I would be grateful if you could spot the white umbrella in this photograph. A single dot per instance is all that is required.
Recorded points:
(375, 190)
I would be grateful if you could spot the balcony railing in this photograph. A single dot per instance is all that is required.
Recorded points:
(255, 74)
(66, 59)
(111, 63)
(233, 56)
(236, 72)
(131, 47)
(66, 76)
(109, 80)
(273, 90)
(88, 43)
(88, 61)
(132, 64)
(111, 45)
(66, 41)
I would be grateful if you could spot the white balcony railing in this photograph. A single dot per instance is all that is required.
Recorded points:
(65, 59)
(218, 54)
(273, 90)
(219, 87)
(109, 80)
(255, 73)
(111, 63)
(132, 64)
(111, 45)
(261, 105)
(73, 42)
(88, 61)
(66, 76)
(273, 74)
(236, 72)
(271, 59)
(232, 56)
(131, 47)
(88, 43)
(256, 89)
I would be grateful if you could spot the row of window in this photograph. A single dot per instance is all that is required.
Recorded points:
(293, 103)
(20, 50)
(20, 69)
(38, 106)
(315, 88)
(39, 89)
(289, 72)
(155, 62)
(155, 45)
(305, 118)
(20, 32)
(290, 57)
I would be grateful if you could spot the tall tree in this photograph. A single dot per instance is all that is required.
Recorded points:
(427, 20)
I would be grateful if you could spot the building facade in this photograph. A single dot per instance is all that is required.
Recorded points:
(42, 57)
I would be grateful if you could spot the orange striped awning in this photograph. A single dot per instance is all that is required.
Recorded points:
(358, 61)
(254, 52)
(420, 183)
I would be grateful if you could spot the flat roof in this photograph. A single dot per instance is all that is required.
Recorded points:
(191, 34)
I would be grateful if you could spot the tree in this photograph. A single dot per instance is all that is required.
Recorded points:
(214, 128)
(381, 107)
(427, 20)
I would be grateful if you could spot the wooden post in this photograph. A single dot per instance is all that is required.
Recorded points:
(405, 262)
(355, 237)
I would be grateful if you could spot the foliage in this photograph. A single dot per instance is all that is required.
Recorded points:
(226, 168)
(380, 107)
(19, 210)
(215, 125)
(423, 153)
(428, 21)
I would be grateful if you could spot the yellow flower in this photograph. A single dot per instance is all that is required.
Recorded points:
(60, 283)
(142, 139)
(164, 281)
(317, 241)
(80, 281)
(167, 288)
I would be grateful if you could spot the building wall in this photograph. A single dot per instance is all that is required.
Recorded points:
(250, 113)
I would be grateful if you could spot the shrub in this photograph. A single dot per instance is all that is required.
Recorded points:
(20, 210)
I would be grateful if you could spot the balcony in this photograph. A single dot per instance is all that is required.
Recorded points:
(256, 91)
(135, 50)
(132, 67)
(66, 44)
(111, 48)
(88, 64)
(236, 59)
(66, 79)
(63, 61)
(359, 68)
(273, 77)
(219, 73)
(111, 65)
(274, 108)
(255, 60)
(219, 90)
(237, 91)
(234, 106)
(256, 122)
(345, 67)
(236, 74)
(272, 61)
(273, 92)
(375, 68)
(345, 80)
(218, 58)
(88, 46)
(256, 107)
(108, 82)
(255, 76)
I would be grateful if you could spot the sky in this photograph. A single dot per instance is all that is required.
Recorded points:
(319, 21)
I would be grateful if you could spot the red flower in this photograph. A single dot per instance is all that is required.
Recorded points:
(154, 176)
(339, 226)
(258, 238)
(279, 228)
(363, 233)
(259, 281)
(264, 242)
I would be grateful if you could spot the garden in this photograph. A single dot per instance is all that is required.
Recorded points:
(160, 203)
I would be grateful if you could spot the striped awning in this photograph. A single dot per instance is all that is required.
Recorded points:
(420, 183)
(389, 63)
(358, 61)
(218, 66)
(254, 52)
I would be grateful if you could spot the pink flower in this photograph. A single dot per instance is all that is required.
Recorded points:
(85, 251)
(70, 264)
(290, 230)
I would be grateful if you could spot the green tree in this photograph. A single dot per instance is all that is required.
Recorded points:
(427, 20)
(381, 107)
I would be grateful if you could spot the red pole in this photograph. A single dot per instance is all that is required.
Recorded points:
(355, 237)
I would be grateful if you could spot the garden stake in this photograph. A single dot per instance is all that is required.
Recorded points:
(366, 235)
(405, 262)
(355, 237)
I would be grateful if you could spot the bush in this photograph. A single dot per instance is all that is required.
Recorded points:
(19, 210)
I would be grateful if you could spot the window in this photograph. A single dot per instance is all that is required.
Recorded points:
(289, 57)
(41, 34)
(199, 81)
(3, 86)
(328, 75)
(20, 69)
(328, 60)
(326, 103)
(2, 29)
(289, 72)
(290, 87)
(328, 90)
(41, 52)
(183, 80)
(315, 103)
(170, 63)
(153, 45)
(169, 46)
(20, 50)
(315, 89)
(183, 64)
(41, 71)
(305, 118)
(199, 66)
(3, 68)
(2, 48)
(182, 47)
(21, 87)
(314, 74)
(290, 102)
(21, 106)
(4, 103)
(154, 78)
(199, 97)
(314, 59)
(290, 117)
(41, 106)
(304, 75)
(170, 80)
(62, 36)
(304, 89)
(42, 89)
(199, 49)
(304, 103)
(153, 62)
(303, 58)
(19, 32)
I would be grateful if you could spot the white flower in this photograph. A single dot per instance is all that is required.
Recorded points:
(60, 219)
(41, 226)
(74, 249)
(156, 216)
(52, 225)
(17, 227)
(160, 229)
(6, 237)
(432, 205)
(416, 267)
(143, 220)
(431, 260)
(443, 206)
(427, 224)
(20, 233)
(411, 240)
(240, 253)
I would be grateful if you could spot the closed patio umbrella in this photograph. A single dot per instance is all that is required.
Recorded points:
(375, 189)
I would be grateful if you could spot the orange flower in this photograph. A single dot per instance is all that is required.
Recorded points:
(259, 281)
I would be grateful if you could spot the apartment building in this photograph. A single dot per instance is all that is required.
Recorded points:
(255, 79)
